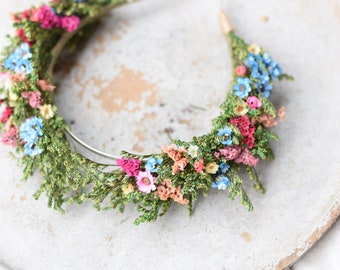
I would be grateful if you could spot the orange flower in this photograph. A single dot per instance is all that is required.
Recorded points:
(267, 120)
(179, 165)
(281, 113)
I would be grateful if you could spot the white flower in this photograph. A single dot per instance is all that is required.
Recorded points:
(46, 111)
(192, 151)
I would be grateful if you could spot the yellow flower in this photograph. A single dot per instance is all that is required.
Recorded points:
(128, 189)
(12, 98)
(211, 167)
(241, 109)
(253, 48)
(46, 111)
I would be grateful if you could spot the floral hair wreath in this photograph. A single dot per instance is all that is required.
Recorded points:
(29, 122)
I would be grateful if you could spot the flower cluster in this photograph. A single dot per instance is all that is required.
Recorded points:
(246, 129)
(30, 131)
(48, 18)
(263, 71)
(166, 191)
(176, 154)
(18, 61)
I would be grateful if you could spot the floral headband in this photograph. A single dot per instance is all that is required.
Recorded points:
(240, 136)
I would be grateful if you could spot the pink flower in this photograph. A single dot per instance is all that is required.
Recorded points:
(231, 152)
(253, 102)
(70, 23)
(10, 137)
(241, 70)
(247, 158)
(6, 114)
(145, 182)
(199, 166)
(34, 98)
(130, 166)
(46, 17)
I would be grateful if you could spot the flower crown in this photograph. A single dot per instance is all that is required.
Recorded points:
(29, 122)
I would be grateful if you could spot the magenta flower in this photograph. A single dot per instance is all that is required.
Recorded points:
(253, 102)
(70, 23)
(34, 98)
(130, 166)
(46, 16)
(145, 182)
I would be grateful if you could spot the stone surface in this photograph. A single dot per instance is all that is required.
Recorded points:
(160, 69)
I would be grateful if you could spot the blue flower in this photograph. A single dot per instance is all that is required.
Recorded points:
(222, 182)
(242, 88)
(266, 89)
(275, 70)
(151, 164)
(252, 60)
(30, 130)
(226, 134)
(32, 150)
(223, 167)
(18, 60)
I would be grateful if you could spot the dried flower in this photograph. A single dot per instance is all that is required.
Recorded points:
(253, 48)
(281, 113)
(145, 182)
(45, 85)
(192, 150)
(70, 23)
(34, 98)
(199, 166)
(231, 152)
(225, 133)
(151, 164)
(10, 137)
(222, 182)
(253, 102)
(241, 109)
(6, 114)
(241, 70)
(211, 167)
(267, 120)
(242, 87)
(247, 158)
(128, 189)
(179, 165)
(130, 166)
(46, 111)
(166, 191)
